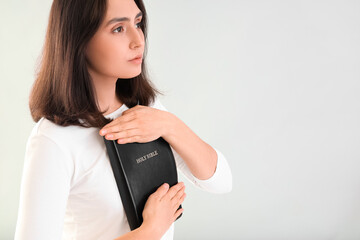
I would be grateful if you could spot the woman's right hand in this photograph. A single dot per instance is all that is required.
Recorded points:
(161, 208)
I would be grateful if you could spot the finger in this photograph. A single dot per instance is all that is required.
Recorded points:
(178, 195)
(178, 199)
(132, 139)
(174, 189)
(177, 213)
(114, 121)
(123, 134)
(118, 122)
(118, 128)
(181, 200)
(161, 191)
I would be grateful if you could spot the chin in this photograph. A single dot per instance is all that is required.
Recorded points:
(130, 75)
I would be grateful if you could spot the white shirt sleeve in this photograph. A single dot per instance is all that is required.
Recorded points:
(219, 182)
(45, 187)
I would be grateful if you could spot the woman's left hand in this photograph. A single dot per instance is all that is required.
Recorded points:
(138, 124)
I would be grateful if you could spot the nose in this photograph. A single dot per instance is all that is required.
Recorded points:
(136, 38)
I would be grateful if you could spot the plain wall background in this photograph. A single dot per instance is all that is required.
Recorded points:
(274, 85)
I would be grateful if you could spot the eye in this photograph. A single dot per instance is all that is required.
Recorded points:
(118, 28)
(139, 24)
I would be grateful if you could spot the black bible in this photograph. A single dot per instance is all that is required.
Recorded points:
(139, 169)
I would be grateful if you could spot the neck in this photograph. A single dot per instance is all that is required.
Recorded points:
(106, 94)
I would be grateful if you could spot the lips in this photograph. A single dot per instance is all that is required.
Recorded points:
(139, 56)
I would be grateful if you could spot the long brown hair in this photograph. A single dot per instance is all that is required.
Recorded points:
(63, 91)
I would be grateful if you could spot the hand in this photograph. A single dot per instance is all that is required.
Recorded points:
(138, 124)
(161, 208)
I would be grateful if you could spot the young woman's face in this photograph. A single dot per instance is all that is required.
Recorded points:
(116, 42)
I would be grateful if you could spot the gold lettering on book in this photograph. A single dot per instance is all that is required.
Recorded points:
(147, 156)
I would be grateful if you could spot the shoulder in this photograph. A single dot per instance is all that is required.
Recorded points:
(51, 130)
(63, 136)
(46, 157)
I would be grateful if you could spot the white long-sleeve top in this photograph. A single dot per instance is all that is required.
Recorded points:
(68, 190)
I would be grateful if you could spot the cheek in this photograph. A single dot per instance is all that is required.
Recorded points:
(107, 55)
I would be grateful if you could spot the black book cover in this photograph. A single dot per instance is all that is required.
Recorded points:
(139, 169)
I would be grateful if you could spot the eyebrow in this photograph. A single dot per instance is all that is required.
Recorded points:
(122, 19)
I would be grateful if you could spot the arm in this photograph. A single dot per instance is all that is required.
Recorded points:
(45, 187)
(204, 166)
(44, 190)
(202, 161)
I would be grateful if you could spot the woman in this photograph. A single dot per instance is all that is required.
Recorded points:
(87, 78)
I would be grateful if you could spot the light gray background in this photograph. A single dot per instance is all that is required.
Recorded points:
(274, 85)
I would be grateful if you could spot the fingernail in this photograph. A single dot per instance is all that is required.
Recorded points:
(165, 185)
(103, 131)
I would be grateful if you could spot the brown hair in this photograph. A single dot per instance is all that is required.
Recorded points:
(63, 91)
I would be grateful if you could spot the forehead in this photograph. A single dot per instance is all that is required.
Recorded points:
(121, 8)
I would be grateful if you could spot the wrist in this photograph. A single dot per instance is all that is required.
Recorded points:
(171, 123)
(150, 232)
